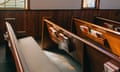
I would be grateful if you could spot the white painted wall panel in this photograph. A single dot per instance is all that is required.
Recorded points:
(55, 4)
(109, 4)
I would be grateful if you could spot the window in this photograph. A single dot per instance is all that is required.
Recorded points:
(90, 4)
(13, 4)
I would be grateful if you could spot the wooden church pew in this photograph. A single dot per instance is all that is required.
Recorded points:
(111, 24)
(97, 57)
(27, 54)
(50, 40)
(91, 56)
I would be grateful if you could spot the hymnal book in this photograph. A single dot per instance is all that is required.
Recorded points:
(110, 67)
(84, 28)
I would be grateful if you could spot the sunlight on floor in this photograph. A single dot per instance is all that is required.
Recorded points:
(63, 63)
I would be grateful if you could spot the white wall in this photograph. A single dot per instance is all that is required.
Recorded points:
(70, 4)
(109, 4)
(55, 4)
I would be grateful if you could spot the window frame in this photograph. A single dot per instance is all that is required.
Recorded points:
(97, 2)
(26, 6)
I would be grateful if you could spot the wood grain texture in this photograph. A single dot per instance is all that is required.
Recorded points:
(31, 20)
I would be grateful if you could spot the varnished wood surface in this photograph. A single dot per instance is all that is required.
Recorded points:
(98, 56)
(13, 44)
(96, 26)
(31, 20)
(108, 20)
(91, 56)
(83, 40)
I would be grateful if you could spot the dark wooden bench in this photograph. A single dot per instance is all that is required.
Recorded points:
(27, 54)
(97, 33)
(91, 56)
(107, 23)
(53, 34)
(98, 54)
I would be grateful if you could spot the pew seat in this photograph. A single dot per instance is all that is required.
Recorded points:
(28, 55)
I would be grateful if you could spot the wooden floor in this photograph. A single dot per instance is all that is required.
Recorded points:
(60, 58)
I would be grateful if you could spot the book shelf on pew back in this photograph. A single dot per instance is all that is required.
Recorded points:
(55, 36)
(106, 37)
(107, 23)
(96, 56)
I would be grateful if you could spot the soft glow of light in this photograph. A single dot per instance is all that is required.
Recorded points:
(15, 4)
(59, 59)
(88, 3)
(2, 1)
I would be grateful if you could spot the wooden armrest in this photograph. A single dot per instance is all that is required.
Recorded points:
(21, 34)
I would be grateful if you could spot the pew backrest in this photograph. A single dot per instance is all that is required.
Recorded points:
(106, 34)
(107, 23)
(13, 43)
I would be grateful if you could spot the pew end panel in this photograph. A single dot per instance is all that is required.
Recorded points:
(46, 41)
